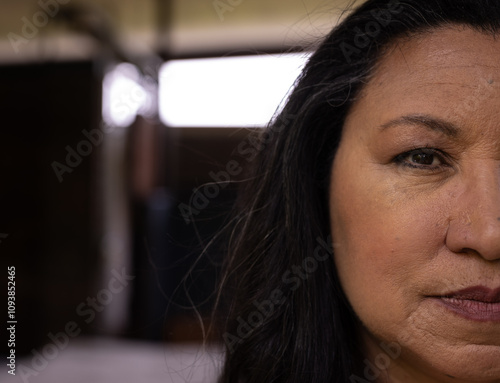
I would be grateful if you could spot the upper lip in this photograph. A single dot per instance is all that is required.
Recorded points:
(476, 293)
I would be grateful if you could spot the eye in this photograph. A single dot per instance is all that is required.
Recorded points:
(422, 158)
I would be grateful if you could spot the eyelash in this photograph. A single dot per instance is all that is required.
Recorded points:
(402, 159)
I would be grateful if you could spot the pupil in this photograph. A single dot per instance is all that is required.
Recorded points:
(423, 158)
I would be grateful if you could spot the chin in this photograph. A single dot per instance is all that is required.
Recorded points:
(459, 364)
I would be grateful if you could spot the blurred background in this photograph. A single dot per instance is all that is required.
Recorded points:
(125, 124)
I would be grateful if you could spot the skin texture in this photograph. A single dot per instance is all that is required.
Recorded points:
(409, 227)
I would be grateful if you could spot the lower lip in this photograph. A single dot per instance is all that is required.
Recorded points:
(472, 310)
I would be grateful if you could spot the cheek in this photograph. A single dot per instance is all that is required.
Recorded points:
(385, 244)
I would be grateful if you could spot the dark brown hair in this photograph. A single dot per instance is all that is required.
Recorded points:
(287, 318)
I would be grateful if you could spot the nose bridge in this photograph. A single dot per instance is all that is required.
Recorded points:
(479, 206)
(483, 192)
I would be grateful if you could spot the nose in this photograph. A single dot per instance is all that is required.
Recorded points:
(475, 225)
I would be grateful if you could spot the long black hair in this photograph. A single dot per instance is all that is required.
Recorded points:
(287, 318)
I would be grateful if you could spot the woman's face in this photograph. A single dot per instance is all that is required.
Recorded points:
(415, 210)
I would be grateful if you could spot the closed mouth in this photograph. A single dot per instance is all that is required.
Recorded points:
(476, 303)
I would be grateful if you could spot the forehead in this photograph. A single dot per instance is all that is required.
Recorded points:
(451, 73)
(455, 55)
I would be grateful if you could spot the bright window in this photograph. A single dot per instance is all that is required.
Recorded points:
(242, 91)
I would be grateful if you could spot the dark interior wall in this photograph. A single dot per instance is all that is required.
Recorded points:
(176, 275)
(52, 222)
(49, 220)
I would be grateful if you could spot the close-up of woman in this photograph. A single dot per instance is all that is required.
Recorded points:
(365, 245)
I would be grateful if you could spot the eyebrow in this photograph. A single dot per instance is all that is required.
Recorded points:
(429, 122)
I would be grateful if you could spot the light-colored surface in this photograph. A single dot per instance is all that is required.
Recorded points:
(102, 360)
(213, 93)
(193, 26)
(251, 24)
